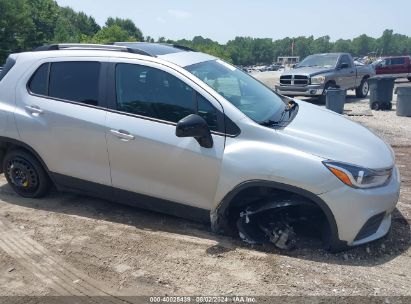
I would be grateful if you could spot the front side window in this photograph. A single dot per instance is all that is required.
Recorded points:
(153, 93)
(345, 59)
(246, 93)
(75, 81)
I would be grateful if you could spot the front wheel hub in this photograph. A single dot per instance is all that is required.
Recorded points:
(22, 174)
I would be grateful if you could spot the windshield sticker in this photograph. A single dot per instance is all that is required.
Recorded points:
(226, 65)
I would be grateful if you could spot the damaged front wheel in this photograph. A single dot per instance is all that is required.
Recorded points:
(282, 222)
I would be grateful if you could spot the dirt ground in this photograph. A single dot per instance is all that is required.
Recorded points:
(68, 244)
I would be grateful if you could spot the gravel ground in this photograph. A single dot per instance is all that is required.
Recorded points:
(67, 244)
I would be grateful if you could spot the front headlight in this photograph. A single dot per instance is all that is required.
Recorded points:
(317, 80)
(358, 177)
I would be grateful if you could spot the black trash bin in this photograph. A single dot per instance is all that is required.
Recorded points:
(335, 99)
(403, 101)
(381, 91)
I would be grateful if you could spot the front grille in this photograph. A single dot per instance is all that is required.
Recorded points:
(285, 80)
(300, 80)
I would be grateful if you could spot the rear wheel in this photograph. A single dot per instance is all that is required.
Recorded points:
(363, 89)
(25, 174)
(409, 78)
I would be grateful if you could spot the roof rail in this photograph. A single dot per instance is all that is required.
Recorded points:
(80, 46)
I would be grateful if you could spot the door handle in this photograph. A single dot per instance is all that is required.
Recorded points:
(34, 109)
(122, 134)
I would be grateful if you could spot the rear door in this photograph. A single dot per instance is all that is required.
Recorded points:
(146, 156)
(61, 115)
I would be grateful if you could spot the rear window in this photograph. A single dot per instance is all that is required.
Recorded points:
(71, 81)
(10, 62)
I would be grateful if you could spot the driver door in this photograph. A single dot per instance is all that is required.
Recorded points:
(145, 154)
(346, 76)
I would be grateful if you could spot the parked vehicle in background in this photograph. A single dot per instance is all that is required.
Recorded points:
(398, 67)
(316, 73)
(182, 132)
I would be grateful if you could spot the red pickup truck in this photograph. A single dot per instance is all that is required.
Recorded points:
(398, 67)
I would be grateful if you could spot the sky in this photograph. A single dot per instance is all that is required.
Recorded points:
(222, 20)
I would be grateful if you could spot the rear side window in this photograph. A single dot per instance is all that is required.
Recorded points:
(397, 61)
(10, 62)
(75, 81)
(39, 81)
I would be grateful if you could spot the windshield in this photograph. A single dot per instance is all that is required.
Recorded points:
(246, 93)
(320, 60)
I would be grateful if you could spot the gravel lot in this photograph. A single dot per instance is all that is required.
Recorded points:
(73, 245)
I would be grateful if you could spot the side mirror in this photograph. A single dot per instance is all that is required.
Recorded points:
(343, 66)
(195, 126)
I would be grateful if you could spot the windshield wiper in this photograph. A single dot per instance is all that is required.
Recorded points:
(292, 105)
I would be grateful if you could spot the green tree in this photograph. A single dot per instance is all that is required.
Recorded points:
(363, 45)
(303, 46)
(240, 51)
(44, 14)
(16, 25)
(263, 51)
(72, 26)
(111, 34)
(322, 45)
(342, 45)
(128, 26)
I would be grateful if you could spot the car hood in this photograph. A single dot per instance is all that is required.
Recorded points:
(328, 135)
(308, 71)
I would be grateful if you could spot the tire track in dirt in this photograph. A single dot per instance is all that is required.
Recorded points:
(62, 278)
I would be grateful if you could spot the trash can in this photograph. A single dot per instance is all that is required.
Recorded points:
(403, 101)
(335, 99)
(381, 90)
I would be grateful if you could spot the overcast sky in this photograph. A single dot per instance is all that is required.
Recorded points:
(222, 20)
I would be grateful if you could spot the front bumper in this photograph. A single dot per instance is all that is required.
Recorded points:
(308, 90)
(353, 209)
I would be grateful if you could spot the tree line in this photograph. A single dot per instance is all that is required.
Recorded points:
(26, 24)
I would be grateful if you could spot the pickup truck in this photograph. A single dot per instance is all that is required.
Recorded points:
(398, 67)
(316, 73)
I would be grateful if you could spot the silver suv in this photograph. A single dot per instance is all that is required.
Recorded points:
(169, 129)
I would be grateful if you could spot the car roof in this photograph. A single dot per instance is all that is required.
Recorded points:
(399, 56)
(155, 49)
(179, 55)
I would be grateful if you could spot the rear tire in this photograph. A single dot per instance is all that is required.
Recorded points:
(25, 174)
(363, 89)
(409, 78)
